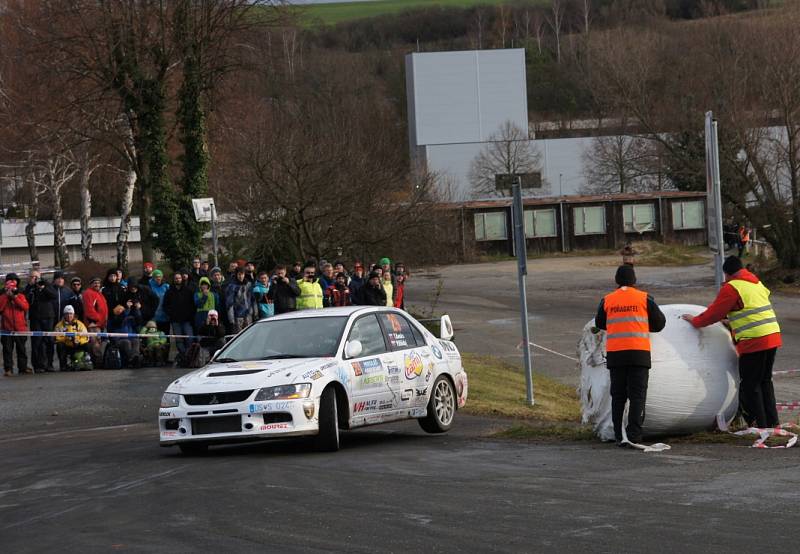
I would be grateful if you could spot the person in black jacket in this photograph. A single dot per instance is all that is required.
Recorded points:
(373, 293)
(75, 297)
(112, 290)
(180, 308)
(212, 333)
(629, 315)
(144, 296)
(283, 292)
(42, 316)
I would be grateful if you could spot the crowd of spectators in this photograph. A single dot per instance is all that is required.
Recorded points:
(200, 307)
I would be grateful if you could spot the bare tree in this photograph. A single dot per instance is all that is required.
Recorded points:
(88, 164)
(586, 14)
(129, 148)
(619, 164)
(508, 151)
(538, 22)
(556, 22)
(54, 169)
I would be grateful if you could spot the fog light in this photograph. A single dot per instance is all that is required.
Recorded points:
(308, 409)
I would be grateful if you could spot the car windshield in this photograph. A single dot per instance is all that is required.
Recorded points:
(306, 337)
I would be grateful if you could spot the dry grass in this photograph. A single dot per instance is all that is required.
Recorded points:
(661, 255)
(497, 388)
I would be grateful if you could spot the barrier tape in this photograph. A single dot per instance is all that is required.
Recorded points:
(763, 433)
(786, 372)
(788, 406)
(540, 347)
(657, 447)
(100, 334)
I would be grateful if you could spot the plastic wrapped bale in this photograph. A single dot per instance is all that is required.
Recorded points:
(694, 377)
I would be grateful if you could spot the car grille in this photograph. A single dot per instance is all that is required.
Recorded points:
(209, 425)
(277, 417)
(217, 397)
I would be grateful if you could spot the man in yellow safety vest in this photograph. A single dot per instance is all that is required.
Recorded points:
(744, 301)
(310, 291)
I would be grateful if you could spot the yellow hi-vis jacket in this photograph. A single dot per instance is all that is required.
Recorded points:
(756, 318)
(310, 295)
(74, 327)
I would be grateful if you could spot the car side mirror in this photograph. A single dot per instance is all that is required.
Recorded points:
(353, 349)
(445, 328)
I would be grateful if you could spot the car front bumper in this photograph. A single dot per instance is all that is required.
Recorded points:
(243, 421)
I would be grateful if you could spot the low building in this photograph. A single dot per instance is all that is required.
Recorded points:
(569, 223)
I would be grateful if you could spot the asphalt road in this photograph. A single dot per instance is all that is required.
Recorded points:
(82, 470)
(390, 489)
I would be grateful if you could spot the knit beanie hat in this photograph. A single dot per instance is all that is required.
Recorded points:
(158, 273)
(731, 265)
(384, 261)
(625, 276)
(374, 275)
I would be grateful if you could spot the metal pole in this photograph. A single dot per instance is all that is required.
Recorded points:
(718, 258)
(214, 232)
(522, 271)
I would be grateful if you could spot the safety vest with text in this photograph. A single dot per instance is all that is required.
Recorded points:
(310, 295)
(757, 318)
(627, 324)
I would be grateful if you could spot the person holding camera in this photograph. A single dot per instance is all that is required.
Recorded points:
(42, 316)
(283, 291)
(13, 307)
(212, 334)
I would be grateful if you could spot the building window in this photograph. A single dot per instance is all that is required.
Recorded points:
(589, 220)
(540, 223)
(639, 218)
(490, 226)
(688, 214)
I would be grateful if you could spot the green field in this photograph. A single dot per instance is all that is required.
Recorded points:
(330, 14)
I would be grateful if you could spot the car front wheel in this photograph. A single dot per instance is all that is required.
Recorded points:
(328, 438)
(441, 407)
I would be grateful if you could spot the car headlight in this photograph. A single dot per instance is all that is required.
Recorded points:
(170, 400)
(284, 392)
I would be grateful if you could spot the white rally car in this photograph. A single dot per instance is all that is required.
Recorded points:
(314, 372)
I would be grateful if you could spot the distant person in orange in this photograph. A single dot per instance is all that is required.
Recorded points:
(629, 316)
(744, 239)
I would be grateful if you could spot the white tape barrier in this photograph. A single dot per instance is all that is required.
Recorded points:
(540, 347)
(657, 447)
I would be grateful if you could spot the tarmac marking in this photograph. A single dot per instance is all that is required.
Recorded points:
(136, 482)
(70, 432)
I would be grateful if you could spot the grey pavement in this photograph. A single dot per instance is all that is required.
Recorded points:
(83, 472)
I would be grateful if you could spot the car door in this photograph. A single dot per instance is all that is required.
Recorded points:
(411, 369)
(368, 371)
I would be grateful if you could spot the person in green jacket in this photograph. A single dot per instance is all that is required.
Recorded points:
(310, 291)
(155, 347)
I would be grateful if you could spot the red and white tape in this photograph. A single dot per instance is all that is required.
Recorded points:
(786, 372)
(788, 406)
(762, 433)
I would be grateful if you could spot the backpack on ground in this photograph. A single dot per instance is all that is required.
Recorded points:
(112, 357)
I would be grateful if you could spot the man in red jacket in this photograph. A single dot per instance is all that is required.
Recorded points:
(13, 306)
(95, 307)
(744, 301)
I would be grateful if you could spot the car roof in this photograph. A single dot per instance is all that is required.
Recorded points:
(345, 311)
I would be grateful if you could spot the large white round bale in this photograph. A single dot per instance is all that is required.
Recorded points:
(694, 377)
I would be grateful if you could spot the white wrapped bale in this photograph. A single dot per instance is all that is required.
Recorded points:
(694, 377)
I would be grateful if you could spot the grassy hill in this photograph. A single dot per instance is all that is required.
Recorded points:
(338, 12)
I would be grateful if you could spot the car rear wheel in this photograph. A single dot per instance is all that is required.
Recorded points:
(441, 407)
(328, 438)
(193, 449)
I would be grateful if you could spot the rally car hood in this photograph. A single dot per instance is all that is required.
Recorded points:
(222, 377)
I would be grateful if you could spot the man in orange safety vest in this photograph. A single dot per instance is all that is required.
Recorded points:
(629, 316)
